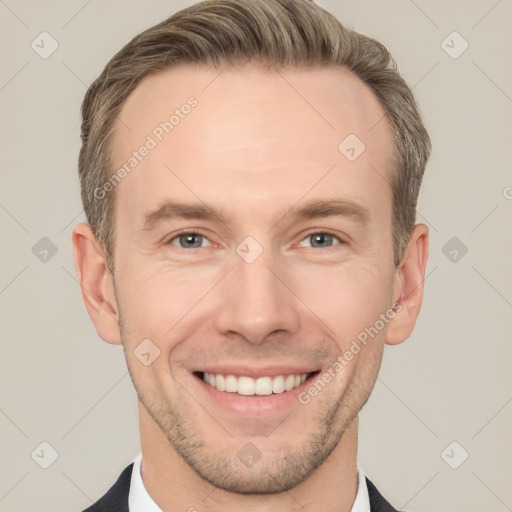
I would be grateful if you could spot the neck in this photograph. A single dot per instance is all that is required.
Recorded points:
(174, 485)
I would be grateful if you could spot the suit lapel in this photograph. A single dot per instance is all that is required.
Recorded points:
(116, 498)
(377, 502)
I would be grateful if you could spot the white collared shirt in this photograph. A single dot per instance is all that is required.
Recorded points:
(140, 501)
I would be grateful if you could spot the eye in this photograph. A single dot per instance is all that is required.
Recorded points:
(194, 240)
(322, 239)
(188, 240)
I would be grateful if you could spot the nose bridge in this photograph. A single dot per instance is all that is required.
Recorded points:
(256, 302)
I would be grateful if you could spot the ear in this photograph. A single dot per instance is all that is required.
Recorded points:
(408, 286)
(96, 282)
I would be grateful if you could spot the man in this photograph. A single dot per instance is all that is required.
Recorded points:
(250, 171)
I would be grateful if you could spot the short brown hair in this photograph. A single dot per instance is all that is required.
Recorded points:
(277, 34)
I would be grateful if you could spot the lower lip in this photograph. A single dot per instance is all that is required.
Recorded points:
(254, 405)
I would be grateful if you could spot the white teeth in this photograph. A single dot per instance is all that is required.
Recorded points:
(263, 386)
(231, 383)
(248, 386)
(289, 382)
(278, 384)
(220, 382)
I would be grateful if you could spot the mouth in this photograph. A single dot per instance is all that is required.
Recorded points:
(246, 386)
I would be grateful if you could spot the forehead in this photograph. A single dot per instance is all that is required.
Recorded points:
(248, 135)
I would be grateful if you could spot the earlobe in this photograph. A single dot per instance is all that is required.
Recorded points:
(96, 283)
(408, 289)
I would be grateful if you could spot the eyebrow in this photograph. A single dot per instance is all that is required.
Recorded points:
(312, 210)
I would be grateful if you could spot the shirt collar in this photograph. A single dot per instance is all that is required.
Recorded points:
(140, 501)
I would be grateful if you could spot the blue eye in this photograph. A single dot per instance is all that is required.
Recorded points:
(317, 239)
(188, 240)
(322, 239)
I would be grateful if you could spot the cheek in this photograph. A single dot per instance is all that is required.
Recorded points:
(347, 298)
(157, 302)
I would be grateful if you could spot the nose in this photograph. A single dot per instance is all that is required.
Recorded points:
(257, 300)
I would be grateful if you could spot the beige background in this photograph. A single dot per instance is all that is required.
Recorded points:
(60, 384)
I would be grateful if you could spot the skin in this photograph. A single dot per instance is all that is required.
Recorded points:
(255, 148)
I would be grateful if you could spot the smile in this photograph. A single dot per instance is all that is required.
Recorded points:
(248, 386)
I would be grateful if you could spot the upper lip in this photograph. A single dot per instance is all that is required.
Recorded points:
(264, 371)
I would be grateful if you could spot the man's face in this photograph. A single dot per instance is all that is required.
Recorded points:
(258, 291)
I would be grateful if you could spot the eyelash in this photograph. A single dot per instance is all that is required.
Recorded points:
(321, 232)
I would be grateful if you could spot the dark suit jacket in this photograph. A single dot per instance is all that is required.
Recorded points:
(116, 498)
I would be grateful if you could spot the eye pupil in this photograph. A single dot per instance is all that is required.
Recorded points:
(321, 238)
(187, 241)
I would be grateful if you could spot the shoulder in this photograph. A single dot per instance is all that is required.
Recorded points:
(377, 502)
(116, 498)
